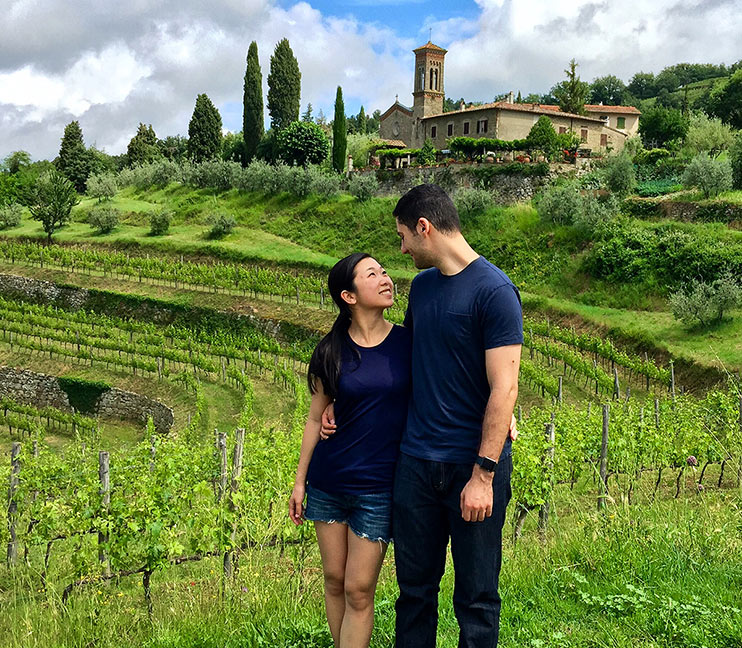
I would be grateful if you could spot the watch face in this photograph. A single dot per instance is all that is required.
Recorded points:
(395, 128)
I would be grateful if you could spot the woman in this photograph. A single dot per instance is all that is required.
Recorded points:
(363, 366)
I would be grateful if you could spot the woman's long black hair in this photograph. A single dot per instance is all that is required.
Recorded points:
(327, 356)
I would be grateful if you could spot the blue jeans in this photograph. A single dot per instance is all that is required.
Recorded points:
(426, 513)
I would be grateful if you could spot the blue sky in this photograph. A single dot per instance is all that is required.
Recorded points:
(111, 65)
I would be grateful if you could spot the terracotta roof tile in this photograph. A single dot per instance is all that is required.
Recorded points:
(629, 110)
(538, 109)
(429, 46)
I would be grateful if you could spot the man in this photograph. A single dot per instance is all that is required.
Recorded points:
(453, 475)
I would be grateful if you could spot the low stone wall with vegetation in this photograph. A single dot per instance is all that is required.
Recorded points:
(84, 396)
(705, 211)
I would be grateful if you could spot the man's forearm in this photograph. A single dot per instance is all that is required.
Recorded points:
(496, 423)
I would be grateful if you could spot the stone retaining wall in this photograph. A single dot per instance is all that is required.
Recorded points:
(41, 390)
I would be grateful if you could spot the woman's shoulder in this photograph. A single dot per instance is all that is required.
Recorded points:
(402, 334)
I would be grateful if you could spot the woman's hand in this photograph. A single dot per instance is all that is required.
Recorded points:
(296, 504)
(328, 422)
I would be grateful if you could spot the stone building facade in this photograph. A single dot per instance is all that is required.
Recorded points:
(602, 128)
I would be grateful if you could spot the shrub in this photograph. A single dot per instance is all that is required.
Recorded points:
(10, 215)
(470, 202)
(103, 219)
(363, 187)
(159, 222)
(619, 175)
(712, 177)
(735, 159)
(102, 186)
(427, 153)
(165, 172)
(641, 207)
(653, 188)
(560, 204)
(595, 212)
(651, 156)
(216, 174)
(703, 303)
(322, 183)
(221, 225)
(256, 176)
(303, 143)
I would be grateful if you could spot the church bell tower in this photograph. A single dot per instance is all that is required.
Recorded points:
(428, 87)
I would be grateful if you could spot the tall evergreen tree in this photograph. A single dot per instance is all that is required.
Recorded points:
(571, 93)
(143, 147)
(74, 161)
(307, 114)
(252, 116)
(284, 86)
(339, 133)
(204, 131)
(362, 121)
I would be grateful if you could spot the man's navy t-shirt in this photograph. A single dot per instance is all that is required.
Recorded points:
(454, 319)
(370, 412)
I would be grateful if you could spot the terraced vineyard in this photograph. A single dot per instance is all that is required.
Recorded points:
(593, 419)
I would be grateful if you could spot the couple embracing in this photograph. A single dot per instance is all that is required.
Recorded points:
(420, 448)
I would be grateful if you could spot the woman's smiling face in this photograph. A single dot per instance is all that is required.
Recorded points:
(373, 286)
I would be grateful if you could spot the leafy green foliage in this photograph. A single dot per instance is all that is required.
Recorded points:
(363, 186)
(472, 201)
(471, 146)
(339, 133)
(159, 222)
(284, 86)
(543, 137)
(53, 200)
(102, 186)
(204, 131)
(662, 187)
(73, 160)
(712, 177)
(619, 175)
(608, 90)
(252, 120)
(560, 203)
(302, 144)
(143, 146)
(572, 92)
(427, 153)
(83, 394)
(660, 127)
(726, 100)
(221, 225)
(735, 159)
(707, 135)
(10, 215)
(103, 219)
(704, 303)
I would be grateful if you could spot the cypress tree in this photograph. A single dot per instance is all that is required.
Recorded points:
(362, 121)
(284, 86)
(142, 147)
(74, 160)
(339, 133)
(252, 120)
(204, 131)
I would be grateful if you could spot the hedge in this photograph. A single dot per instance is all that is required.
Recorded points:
(470, 145)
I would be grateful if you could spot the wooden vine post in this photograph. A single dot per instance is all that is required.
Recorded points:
(105, 501)
(543, 514)
(229, 558)
(221, 444)
(739, 464)
(15, 470)
(604, 460)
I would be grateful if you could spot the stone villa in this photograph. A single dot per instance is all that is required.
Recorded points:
(603, 127)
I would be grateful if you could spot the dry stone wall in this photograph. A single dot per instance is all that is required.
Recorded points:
(41, 390)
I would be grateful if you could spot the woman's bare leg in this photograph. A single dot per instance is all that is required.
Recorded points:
(333, 547)
(362, 569)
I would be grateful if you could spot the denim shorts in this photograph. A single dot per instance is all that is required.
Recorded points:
(367, 515)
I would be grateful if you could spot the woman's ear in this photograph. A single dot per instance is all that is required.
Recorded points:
(348, 297)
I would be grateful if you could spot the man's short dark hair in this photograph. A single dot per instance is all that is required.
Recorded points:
(431, 202)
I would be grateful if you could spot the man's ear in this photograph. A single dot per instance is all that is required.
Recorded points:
(348, 297)
(423, 226)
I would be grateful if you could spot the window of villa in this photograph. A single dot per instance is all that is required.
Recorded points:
(482, 126)
(466, 128)
(583, 135)
(621, 122)
(450, 130)
(562, 130)
(433, 131)
(603, 139)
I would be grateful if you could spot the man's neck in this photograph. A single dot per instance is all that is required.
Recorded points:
(455, 254)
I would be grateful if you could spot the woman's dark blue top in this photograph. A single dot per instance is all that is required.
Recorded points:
(370, 413)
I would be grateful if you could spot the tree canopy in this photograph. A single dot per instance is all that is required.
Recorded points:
(73, 160)
(143, 147)
(204, 131)
(572, 92)
(252, 115)
(339, 133)
(608, 90)
(302, 143)
(53, 199)
(284, 86)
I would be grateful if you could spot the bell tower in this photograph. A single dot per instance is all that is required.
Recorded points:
(428, 87)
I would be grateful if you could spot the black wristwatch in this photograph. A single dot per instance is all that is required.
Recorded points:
(490, 465)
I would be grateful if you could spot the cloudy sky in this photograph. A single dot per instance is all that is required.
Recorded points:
(111, 65)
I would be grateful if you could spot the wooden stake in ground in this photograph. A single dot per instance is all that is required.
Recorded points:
(604, 460)
(236, 473)
(15, 470)
(105, 503)
(543, 514)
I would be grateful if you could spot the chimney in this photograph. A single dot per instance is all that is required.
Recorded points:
(511, 98)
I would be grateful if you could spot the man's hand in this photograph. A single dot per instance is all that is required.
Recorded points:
(476, 498)
(513, 431)
(328, 422)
